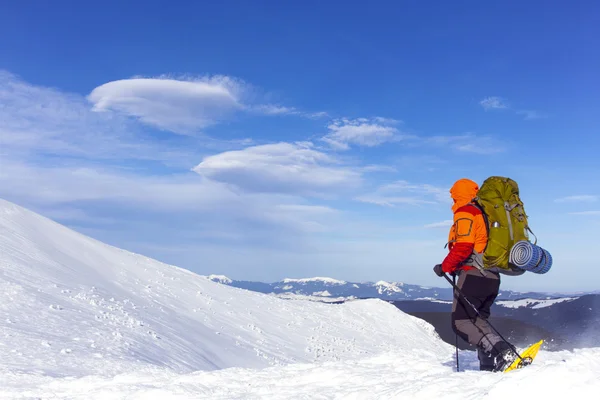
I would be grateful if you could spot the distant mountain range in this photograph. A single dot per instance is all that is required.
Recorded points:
(564, 321)
(391, 291)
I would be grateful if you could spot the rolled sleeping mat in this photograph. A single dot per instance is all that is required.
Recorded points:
(530, 257)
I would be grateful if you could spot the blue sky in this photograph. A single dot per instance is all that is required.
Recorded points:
(263, 140)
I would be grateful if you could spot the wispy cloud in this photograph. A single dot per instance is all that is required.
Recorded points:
(378, 168)
(493, 103)
(272, 109)
(403, 192)
(468, 143)
(194, 203)
(40, 121)
(281, 168)
(531, 114)
(498, 103)
(442, 224)
(318, 114)
(586, 198)
(71, 184)
(590, 213)
(362, 132)
(60, 157)
(391, 201)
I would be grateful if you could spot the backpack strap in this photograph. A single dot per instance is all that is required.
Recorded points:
(530, 231)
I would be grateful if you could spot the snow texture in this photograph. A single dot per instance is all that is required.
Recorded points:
(412, 374)
(84, 320)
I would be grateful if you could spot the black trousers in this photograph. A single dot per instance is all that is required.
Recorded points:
(481, 291)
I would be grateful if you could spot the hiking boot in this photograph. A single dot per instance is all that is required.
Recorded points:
(504, 360)
(486, 361)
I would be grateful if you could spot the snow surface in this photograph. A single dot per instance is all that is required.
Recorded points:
(315, 279)
(533, 303)
(411, 374)
(84, 320)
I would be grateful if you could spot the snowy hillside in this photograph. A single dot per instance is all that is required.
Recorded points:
(71, 305)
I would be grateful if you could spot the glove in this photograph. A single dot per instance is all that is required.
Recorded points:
(438, 270)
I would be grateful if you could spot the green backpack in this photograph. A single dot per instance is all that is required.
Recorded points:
(498, 198)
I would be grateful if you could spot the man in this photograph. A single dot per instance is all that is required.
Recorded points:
(467, 242)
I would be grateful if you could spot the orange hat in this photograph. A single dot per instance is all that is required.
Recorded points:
(462, 192)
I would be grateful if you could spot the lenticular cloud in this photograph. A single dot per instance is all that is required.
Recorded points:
(179, 106)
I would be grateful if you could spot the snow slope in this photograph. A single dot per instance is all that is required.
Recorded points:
(72, 306)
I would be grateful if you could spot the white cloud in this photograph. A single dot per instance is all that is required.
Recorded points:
(39, 121)
(442, 224)
(185, 106)
(498, 103)
(63, 185)
(578, 198)
(403, 192)
(307, 209)
(318, 114)
(486, 146)
(362, 132)
(179, 106)
(190, 202)
(589, 213)
(307, 218)
(468, 143)
(531, 114)
(424, 189)
(391, 201)
(272, 109)
(493, 103)
(378, 168)
(279, 168)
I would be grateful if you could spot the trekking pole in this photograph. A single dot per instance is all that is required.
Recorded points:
(513, 348)
(455, 334)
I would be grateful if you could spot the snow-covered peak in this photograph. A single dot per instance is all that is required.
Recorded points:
(330, 281)
(220, 279)
(387, 286)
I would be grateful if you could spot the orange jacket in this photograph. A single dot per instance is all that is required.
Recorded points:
(468, 233)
